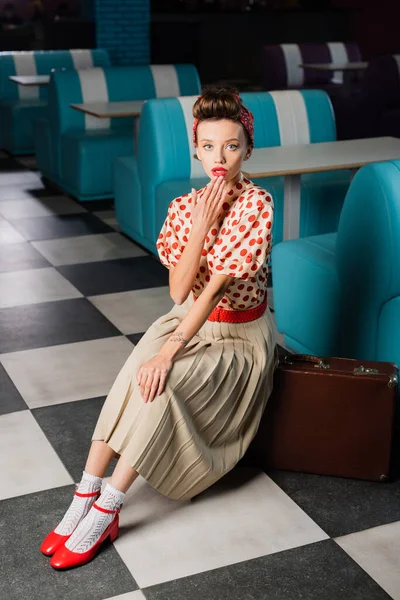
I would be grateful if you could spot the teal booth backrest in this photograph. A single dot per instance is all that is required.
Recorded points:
(41, 62)
(291, 118)
(165, 150)
(368, 259)
(114, 84)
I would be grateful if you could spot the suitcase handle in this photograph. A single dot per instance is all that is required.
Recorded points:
(318, 363)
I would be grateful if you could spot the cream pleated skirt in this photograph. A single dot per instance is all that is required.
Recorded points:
(210, 410)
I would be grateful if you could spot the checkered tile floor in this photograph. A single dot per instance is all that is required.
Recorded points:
(75, 296)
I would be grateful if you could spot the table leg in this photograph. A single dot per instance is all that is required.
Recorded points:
(136, 125)
(291, 207)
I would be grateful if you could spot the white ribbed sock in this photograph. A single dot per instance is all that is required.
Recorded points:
(92, 527)
(79, 507)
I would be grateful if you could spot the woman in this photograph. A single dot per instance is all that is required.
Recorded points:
(188, 401)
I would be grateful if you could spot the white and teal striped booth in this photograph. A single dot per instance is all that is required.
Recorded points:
(164, 166)
(21, 105)
(75, 150)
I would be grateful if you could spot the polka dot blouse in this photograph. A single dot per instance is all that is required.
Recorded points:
(239, 247)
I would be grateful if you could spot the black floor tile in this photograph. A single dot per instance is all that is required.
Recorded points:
(26, 573)
(10, 164)
(69, 428)
(320, 571)
(46, 192)
(114, 276)
(10, 398)
(98, 205)
(51, 324)
(17, 257)
(135, 337)
(60, 226)
(341, 506)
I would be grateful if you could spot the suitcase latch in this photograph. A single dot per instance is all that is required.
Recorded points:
(322, 365)
(365, 371)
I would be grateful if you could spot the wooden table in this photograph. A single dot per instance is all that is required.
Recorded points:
(30, 79)
(108, 110)
(346, 68)
(292, 161)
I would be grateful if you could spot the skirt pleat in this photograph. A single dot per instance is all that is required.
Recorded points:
(209, 412)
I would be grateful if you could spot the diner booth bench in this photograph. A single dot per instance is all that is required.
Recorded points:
(339, 294)
(281, 64)
(75, 150)
(164, 166)
(21, 105)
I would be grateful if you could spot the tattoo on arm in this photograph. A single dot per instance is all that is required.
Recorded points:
(178, 337)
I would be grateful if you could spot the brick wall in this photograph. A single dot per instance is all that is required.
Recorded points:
(123, 28)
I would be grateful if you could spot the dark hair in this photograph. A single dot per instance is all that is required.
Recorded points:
(219, 103)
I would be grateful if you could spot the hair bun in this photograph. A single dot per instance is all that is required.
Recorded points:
(218, 103)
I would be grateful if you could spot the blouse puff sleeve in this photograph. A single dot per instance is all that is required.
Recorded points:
(168, 244)
(243, 244)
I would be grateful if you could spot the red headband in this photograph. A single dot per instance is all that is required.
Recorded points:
(246, 119)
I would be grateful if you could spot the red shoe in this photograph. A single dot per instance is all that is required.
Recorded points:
(65, 559)
(54, 541)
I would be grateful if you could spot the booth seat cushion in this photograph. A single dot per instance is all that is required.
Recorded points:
(308, 284)
(44, 155)
(17, 122)
(88, 159)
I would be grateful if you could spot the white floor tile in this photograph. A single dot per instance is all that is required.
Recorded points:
(134, 312)
(165, 539)
(39, 207)
(88, 248)
(36, 285)
(377, 551)
(28, 462)
(17, 178)
(24, 190)
(137, 595)
(69, 372)
(9, 235)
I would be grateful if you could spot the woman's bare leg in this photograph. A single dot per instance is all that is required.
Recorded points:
(123, 476)
(99, 458)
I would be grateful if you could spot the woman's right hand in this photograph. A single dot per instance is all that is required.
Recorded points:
(207, 209)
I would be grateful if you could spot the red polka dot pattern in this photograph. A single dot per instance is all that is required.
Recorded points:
(239, 247)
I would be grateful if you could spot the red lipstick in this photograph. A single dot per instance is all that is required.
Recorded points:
(217, 171)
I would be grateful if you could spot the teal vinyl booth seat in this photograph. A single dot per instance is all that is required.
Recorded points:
(339, 294)
(164, 167)
(76, 151)
(21, 105)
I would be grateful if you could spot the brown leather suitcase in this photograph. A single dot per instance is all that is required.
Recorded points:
(329, 416)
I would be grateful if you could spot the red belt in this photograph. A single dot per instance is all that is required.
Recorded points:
(237, 316)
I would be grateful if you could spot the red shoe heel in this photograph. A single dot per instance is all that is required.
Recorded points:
(53, 540)
(66, 559)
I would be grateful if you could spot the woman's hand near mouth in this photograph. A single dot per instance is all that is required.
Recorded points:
(207, 209)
